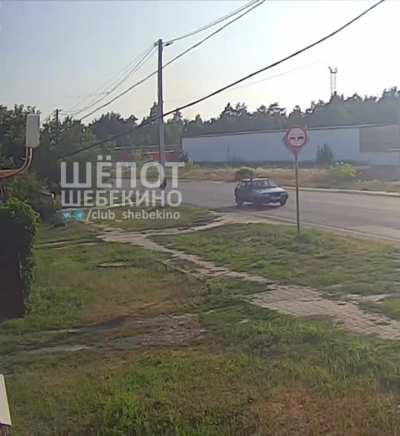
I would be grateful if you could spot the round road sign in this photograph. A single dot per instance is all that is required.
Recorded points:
(296, 138)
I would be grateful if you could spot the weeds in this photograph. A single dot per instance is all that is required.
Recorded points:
(255, 372)
(320, 260)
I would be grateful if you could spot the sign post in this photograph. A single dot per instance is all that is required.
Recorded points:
(295, 139)
(296, 170)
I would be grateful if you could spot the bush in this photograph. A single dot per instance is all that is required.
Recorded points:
(190, 165)
(344, 173)
(18, 223)
(244, 173)
(28, 188)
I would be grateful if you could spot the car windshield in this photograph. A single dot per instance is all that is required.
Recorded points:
(262, 184)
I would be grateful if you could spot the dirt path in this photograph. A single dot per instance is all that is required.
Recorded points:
(122, 335)
(291, 300)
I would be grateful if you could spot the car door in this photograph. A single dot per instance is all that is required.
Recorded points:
(250, 190)
(246, 191)
(240, 191)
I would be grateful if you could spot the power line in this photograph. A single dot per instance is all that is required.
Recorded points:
(116, 77)
(72, 110)
(274, 76)
(259, 3)
(256, 82)
(275, 64)
(121, 94)
(232, 84)
(214, 23)
(192, 47)
(116, 83)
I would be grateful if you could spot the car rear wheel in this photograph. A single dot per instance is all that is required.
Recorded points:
(282, 202)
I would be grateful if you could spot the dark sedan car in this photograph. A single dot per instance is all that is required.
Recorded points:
(259, 192)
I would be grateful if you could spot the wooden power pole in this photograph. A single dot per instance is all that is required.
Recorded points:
(161, 130)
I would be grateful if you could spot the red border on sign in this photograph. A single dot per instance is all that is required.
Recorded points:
(293, 149)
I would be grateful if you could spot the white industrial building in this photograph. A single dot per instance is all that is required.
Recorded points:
(364, 144)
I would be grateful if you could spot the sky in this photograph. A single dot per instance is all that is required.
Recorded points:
(58, 54)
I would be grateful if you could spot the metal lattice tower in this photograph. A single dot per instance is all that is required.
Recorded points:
(333, 71)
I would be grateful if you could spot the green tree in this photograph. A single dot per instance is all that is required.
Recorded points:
(174, 129)
(58, 140)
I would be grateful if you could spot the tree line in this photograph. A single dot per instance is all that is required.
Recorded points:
(70, 135)
(338, 111)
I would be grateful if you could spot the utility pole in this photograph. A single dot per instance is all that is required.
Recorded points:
(161, 130)
(57, 124)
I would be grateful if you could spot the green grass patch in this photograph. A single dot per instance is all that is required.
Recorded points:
(263, 373)
(389, 307)
(159, 393)
(254, 372)
(324, 356)
(70, 232)
(71, 288)
(324, 261)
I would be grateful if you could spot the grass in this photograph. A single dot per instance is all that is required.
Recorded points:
(334, 264)
(169, 217)
(311, 346)
(253, 372)
(201, 393)
(71, 289)
(308, 358)
(283, 176)
(73, 232)
(388, 306)
(158, 393)
(257, 373)
(309, 178)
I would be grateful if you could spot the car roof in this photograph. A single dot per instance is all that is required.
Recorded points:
(256, 179)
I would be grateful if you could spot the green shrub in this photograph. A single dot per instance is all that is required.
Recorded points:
(244, 173)
(18, 223)
(190, 165)
(30, 189)
(344, 173)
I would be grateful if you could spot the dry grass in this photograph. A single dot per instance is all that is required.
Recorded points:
(283, 176)
(309, 178)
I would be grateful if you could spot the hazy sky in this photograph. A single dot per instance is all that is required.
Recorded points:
(56, 53)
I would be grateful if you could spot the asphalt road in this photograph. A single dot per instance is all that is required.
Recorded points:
(358, 214)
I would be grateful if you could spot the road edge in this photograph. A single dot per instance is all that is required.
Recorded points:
(347, 191)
